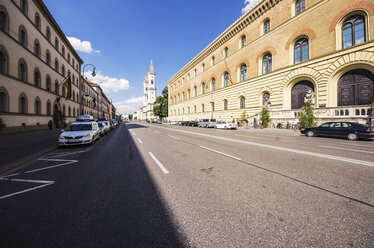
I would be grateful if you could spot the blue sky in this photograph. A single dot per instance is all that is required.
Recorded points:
(120, 37)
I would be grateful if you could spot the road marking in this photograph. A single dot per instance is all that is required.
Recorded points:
(171, 136)
(347, 149)
(53, 166)
(44, 184)
(157, 132)
(159, 163)
(227, 155)
(314, 154)
(140, 141)
(357, 145)
(133, 133)
(251, 137)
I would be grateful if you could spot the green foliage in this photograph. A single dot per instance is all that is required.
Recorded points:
(265, 117)
(135, 118)
(242, 117)
(160, 108)
(307, 118)
(130, 116)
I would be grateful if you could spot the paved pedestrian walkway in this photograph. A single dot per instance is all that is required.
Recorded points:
(19, 148)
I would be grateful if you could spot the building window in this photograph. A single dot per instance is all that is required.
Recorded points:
(56, 43)
(37, 48)
(48, 108)
(225, 104)
(63, 51)
(3, 63)
(243, 72)
(3, 102)
(37, 21)
(242, 102)
(301, 50)
(299, 6)
(267, 26)
(353, 31)
(226, 79)
(202, 108)
(266, 100)
(48, 83)
(48, 58)
(23, 104)
(63, 71)
(202, 67)
(56, 87)
(226, 52)
(195, 90)
(69, 58)
(22, 71)
(24, 6)
(69, 111)
(243, 40)
(23, 37)
(213, 60)
(212, 105)
(37, 78)
(195, 108)
(48, 34)
(213, 84)
(189, 93)
(299, 92)
(56, 65)
(37, 107)
(3, 21)
(194, 72)
(267, 63)
(203, 88)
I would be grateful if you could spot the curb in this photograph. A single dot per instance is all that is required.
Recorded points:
(20, 163)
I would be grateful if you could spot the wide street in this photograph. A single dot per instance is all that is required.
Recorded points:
(149, 185)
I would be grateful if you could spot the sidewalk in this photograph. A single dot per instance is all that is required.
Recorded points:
(271, 130)
(19, 148)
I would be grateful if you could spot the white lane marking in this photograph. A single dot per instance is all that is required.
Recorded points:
(53, 166)
(171, 136)
(159, 163)
(44, 184)
(247, 136)
(346, 149)
(227, 155)
(314, 154)
(133, 133)
(350, 144)
(140, 141)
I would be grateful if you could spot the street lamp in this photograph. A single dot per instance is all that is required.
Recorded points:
(93, 74)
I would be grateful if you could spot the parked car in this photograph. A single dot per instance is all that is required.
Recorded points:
(173, 123)
(184, 123)
(192, 123)
(103, 126)
(207, 123)
(82, 131)
(349, 130)
(226, 125)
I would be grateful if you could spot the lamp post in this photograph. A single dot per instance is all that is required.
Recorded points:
(93, 74)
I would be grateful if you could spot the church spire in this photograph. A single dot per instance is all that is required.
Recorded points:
(151, 68)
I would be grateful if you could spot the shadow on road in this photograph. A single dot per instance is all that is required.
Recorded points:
(107, 199)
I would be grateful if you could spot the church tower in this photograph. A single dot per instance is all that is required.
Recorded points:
(149, 86)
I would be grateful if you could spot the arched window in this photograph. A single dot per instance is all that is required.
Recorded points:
(48, 58)
(243, 41)
(48, 83)
(69, 111)
(37, 106)
(226, 79)
(356, 88)
(226, 52)
(64, 110)
(189, 93)
(48, 34)
(242, 102)
(24, 6)
(299, 6)
(22, 71)
(202, 108)
(203, 88)
(202, 67)
(195, 108)
(56, 65)
(243, 72)
(267, 26)
(37, 21)
(63, 51)
(37, 48)
(267, 63)
(3, 101)
(23, 37)
(3, 63)
(213, 60)
(225, 104)
(22, 104)
(48, 107)
(195, 90)
(299, 92)
(353, 31)
(56, 43)
(213, 84)
(36, 78)
(63, 70)
(73, 112)
(212, 105)
(3, 21)
(301, 50)
(56, 87)
(69, 58)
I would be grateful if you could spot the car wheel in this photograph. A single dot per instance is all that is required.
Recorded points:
(92, 141)
(310, 134)
(352, 136)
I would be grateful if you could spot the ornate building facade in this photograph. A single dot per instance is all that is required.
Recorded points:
(149, 96)
(276, 56)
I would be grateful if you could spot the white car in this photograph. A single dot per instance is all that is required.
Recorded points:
(80, 132)
(173, 123)
(104, 128)
(226, 125)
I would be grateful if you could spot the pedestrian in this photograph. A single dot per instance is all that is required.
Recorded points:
(50, 124)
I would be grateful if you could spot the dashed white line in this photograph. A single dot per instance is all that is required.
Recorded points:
(346, 149)
(44, 184)
(227, 155)
(140, 141)
(247, 136)
(133, 133)
(159, 163)
(171, 136)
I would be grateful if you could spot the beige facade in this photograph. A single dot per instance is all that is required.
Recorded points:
(306, 50)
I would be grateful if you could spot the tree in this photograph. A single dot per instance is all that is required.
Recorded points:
(242, 117)
(265, 117)
(307, 118)
(130, 116)
(160, 108)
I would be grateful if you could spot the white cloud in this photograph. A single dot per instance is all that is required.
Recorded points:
(129, 106)
(81, 45)
(108, 84)
(249, 4)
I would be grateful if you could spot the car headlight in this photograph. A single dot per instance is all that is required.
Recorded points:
(62, 137)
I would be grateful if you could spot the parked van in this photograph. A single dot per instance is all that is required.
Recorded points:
(207, 123)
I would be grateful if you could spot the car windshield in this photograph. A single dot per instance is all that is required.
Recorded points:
(213, 120)
(100, 124)
(79, 127)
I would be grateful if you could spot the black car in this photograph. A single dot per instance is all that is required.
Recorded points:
(192, 123)
(350, 130)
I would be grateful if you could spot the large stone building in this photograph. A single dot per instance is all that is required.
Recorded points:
(276, 56)
(149, 96)
(36, 58)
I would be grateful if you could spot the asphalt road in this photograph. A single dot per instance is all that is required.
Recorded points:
(162, 186)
